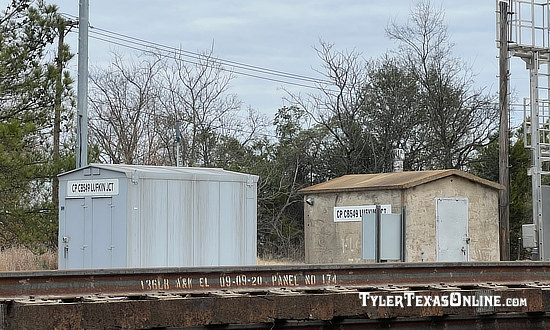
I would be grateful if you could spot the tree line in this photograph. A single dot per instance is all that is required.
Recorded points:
(418, 97)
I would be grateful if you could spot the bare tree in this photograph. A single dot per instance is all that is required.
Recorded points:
(421, 99)
(392, 106)
(338, 108)
(122, 100)
(136, 105)
(458, 119)
(197, 95)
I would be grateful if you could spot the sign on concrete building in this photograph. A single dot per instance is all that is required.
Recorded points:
(355, 213)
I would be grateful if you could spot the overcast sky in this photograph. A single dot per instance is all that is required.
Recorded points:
(281, 35)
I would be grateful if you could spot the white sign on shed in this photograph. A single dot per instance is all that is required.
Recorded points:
(355, 213)
(105, 187)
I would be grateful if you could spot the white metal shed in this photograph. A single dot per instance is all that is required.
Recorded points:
(114, 216)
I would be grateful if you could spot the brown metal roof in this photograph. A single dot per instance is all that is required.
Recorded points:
(394, 180)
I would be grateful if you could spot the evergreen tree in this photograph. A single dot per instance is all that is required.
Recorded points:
(28, 77)
(485, 165)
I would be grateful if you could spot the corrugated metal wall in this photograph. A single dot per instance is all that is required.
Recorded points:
(160, 219)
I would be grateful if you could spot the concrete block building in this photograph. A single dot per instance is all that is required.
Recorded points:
(450, 215)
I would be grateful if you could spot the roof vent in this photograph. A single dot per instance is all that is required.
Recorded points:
(398, 158)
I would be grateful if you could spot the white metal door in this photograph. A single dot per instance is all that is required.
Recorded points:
(101, 235)
(452, 229)
(87, 241)
(73, 240)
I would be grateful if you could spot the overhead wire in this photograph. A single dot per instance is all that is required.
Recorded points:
(220, 60)
(208, 64)
(152, 47)
(195, 58)
(235, 67)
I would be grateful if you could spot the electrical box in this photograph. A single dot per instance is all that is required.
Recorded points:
(382, 237)
(529, 235)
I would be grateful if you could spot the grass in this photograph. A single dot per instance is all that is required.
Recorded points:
(20, 259)
(274, 261)
(23, 259)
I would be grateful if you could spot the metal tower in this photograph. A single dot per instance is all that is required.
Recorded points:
(529, 39)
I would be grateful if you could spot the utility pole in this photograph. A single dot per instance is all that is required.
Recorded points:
(82, 92)
(504, 138)
(62, 25)
(57, 106)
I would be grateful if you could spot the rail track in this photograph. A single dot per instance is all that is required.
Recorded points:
(298, 296)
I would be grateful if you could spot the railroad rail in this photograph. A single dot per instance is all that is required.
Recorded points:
(297, 296)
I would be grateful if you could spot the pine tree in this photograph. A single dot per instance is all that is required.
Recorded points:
(28, 75)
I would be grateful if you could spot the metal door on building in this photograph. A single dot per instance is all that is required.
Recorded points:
(101, 234)
(73, 236)
(452, 238)
(87, 240)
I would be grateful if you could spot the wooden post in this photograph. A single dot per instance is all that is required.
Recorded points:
(504, 138)
(57, 110)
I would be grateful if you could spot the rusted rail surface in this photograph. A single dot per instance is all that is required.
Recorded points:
(261, 278)
(267, 296)
(267, 310)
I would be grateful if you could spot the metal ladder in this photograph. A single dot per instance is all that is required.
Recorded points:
(529, 32)
(537, 139)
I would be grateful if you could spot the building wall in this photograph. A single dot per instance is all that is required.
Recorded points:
(327, 241)
(88, 223)
(196, 223)
(483, 228)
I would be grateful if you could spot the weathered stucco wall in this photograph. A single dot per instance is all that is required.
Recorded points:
(483, 227)
(327, 241)
(340, 242)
